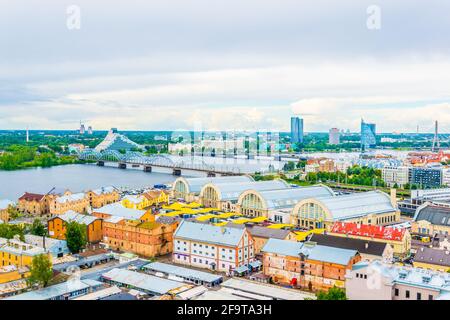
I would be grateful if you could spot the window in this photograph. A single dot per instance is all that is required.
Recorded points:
(419, 296)
(407, 294)
(430, 297)
(396, 292)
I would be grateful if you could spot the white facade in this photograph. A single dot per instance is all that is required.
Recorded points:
(395, 175)
(213, 256)
(446, 177)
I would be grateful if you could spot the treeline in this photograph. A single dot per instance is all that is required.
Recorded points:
(19, 157)
(356, 175)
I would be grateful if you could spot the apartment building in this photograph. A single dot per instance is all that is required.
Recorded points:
(396, 176)
(34, 203)
(77, 202)
(212, 247)
(94, 226)
(378, 281)
(102, 196)
(307, 265)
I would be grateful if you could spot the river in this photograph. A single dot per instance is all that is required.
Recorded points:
(77, 177)
(81, 177)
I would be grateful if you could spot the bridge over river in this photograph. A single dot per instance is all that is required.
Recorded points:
(135, 160)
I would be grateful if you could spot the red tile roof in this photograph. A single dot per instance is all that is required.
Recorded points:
(32, 196)
(364, 230)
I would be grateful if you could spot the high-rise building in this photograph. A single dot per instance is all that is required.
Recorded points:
(368, 135)
(334, 136)
(82, 128)
(296, 130)
(90, 130)
(426, 177)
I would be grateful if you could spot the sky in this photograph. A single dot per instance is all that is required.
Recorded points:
(224, 65)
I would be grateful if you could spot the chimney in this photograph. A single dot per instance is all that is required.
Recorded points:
(394, 197)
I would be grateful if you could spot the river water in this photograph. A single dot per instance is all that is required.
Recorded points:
(81, 177)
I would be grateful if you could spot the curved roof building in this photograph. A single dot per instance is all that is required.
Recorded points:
(213, 194)
(189, 188)
(116, 141)
(373, 207)
(258, 203)
(431, 219)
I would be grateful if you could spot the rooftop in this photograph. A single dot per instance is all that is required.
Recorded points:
(433, 256)
(57, 290)
(311, 251)
(27, 196)
(72, 216)
(208, 233)
(364, 230)
(434, 214)
(117, 209)
(142, 281)
(196, 184)
(358, 204)
(182, 272)
(363, 246)
(71, 197)
(288, 198)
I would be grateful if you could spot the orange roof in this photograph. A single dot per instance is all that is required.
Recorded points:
(32, 196)
(153, 194)
(365, 230)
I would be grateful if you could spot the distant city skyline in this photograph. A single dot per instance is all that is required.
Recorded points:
(154, 66)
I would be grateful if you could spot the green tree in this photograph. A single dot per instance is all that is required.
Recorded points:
(334, 293)
(37, 228)
(76, 236)
(41, 270)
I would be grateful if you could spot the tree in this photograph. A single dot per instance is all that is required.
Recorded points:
(41, 270)
(76, 236)
(334, 293)
(37, 228)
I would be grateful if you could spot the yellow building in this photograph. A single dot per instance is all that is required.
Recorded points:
(77, 202)
(157, 197)
(18, 253)
(13, 273)
(102, 196)
(371, 208)
(136, 202)
(437, 259)
(5, 205)
(35, 204)
(431, 220)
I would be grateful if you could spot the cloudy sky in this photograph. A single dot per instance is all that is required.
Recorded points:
(216, 64)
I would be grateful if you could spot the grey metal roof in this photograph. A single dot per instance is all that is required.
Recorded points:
(208, 233)
(433, 256)
(142, 281)
(71, 216)
(56, 290)
(196, 184)
(363, 246)
(313, 252)
(262, 232)
(182, 272)
(232, 191)
(288, 198)
(117, 209)
(358, 204)
(433, 214)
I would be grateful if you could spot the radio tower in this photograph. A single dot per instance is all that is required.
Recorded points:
(436, 143)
